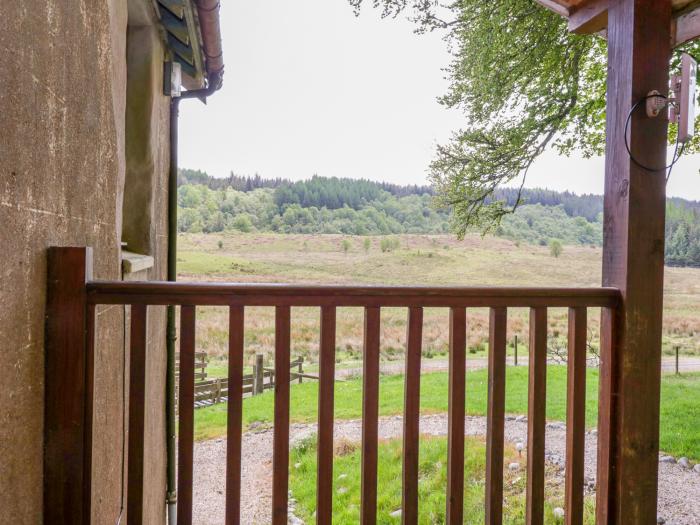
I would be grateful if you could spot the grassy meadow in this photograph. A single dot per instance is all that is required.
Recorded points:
(680, 411)
(417, 260)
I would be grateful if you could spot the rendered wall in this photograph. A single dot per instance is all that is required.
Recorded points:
(62, 171)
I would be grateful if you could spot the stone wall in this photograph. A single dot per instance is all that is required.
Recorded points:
(63, 163)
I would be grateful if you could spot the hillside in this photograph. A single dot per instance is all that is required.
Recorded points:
(323, 205)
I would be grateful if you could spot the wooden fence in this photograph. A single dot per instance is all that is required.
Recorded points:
(214, 391)
(200, 366)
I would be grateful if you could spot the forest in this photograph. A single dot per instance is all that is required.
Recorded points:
(321, 205)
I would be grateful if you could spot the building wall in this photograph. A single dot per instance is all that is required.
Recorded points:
(63, 164)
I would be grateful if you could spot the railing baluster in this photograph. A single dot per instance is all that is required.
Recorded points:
(455, 411)
(537, 385)
(607, 417)
(411, 413)
(234, 416)
(370, 416)
(90, 322)
(496, 416)
(576, 415)
(280, 461)
(137, 413)
(324, 474)
(186, 416)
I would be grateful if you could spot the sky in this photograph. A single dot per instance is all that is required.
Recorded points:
(311, 89)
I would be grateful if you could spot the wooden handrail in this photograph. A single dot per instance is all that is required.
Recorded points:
(224, 294)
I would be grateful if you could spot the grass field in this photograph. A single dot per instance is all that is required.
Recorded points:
(431, 489)
(419, 260)
(680, 410)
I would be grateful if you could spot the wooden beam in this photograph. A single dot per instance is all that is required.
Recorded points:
(554, 6)
(590, 16)
(686, 27)
(639, 49)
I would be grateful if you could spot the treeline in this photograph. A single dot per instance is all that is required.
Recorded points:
(315, 206)
(588, 206)
(250, 183)
(363, 207)
(682, 234)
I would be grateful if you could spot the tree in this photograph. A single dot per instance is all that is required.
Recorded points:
(524, 84)
(555, 248)
(366, 244)
(345, 245)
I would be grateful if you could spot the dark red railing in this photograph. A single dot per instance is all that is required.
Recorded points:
(328, 298)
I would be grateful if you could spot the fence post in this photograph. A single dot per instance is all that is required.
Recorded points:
(258, 371)
(68, 387)
(515, 346)
(677, 368)
(301, 369)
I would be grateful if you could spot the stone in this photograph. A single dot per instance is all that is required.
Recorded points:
(294, 520)
(667, 459)
(342, 476)
(342, 490)
(514, 467)
(396, 513)
(558, 513)
(660, 520)
(520, 419)
(696, 468)
(684, 462)
(297, 465)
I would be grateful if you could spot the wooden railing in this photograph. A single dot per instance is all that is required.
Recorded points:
(328, 298)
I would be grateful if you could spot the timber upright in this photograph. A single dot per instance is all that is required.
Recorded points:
(639, 50)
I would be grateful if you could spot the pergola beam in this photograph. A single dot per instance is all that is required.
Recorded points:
(589, 17)
(686, 27)
(552, 5)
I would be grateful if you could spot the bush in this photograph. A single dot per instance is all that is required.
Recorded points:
(366, 244)
(242, 223)
(389, 244)
(555, 247)
(345, 245)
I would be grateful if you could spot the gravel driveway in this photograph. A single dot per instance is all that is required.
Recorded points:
(679, 488)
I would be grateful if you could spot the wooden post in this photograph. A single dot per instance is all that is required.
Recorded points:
(515, 346)
(301, 368)
(68, 388)
(258, 371)
(677, 367)
(639, 50)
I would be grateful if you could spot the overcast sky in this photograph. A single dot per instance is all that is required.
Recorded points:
(311, 89)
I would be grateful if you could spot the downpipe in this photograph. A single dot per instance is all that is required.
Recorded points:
(214, 84)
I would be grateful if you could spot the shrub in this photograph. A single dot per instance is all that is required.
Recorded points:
(555, 247)
(389, 244)
(345, 245)
(220, 244)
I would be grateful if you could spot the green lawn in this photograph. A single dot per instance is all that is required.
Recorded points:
(680, 410)
(432, 476)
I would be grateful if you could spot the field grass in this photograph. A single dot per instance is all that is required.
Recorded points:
(680, 411)
(431, 488)
(419, 260)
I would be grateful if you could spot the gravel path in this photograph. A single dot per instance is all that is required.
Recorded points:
(679, 488)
